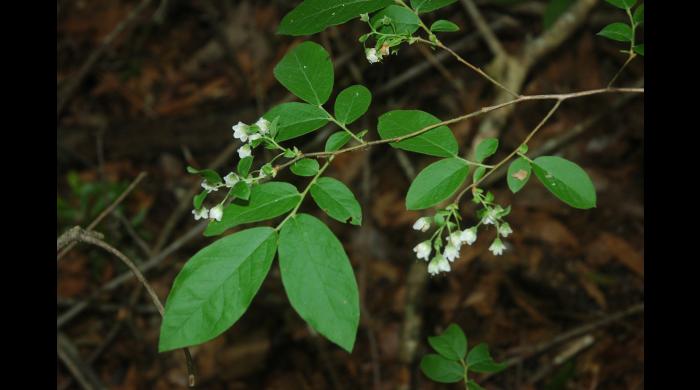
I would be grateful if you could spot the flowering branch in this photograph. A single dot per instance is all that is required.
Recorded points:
(484, 110)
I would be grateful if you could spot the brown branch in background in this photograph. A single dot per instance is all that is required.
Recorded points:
(530, 351)
(83, 373)
(514, 69)
(484, 28)
(70, 86)
(153, 262)
(105, 212)
(77, 234)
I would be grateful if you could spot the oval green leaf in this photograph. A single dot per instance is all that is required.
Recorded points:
(244, 165)
(305, 167)
(319, 280)
(440, 369)
(451, 344)
(307, 72)
(566, 180)
(439, 142)
(210, 175)
(336, 199)
(437, 182)
(314, 16)
(617, 31)
(267, 201)
(199, 199)
(486, 148)
(479, 360)
(336, 141)
(638, 16)
(296, 119)
(622, 4)
(518, 174)
(215, 287)
(352, 103)
(444, 26)
(422, 6)
(403, 21)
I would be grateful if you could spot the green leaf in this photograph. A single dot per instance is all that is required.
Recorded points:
(305, 167)
(439, 142)
(199, 199)
(319, 279)
(639, 49)
(267, 201)
(518, 174)
(479, 173)
(307, 72)
(422, 6)
(617, 31)
(210, 175)
(244, 166)
(402, 19)
(638, 16)
(444, 26)
(622, 4)
(240, 190)
(486, 148)
(555, 8)
(471, 385)
(313, 16)
(451, 344)
(336, 141)
(215, 287)
(437, 182)
(566, 180)
(440, 369)
(479, 360)
(336, 199)
(296, 119)
(352, 103)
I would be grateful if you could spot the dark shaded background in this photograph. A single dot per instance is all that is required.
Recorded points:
(165, 93)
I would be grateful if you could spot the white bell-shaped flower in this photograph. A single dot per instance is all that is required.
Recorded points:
(231, 179)
(422, 224)
(497, 247)
(208, 187)
(504, 230)
(423, 250)
(240, 131)
(216, 212)
(451, 252)
(244, 151)
(468, 235)
(264, 125)
(372, 56)
(202, 213)
(456, 239)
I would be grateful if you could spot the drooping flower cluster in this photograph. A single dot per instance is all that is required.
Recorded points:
(447, 248)
(262, 132)
(252, 134)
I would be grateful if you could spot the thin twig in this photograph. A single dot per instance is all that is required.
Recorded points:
(81, 235)
(483, 27)
(107, 211)
(513, 153)
(153, 262)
